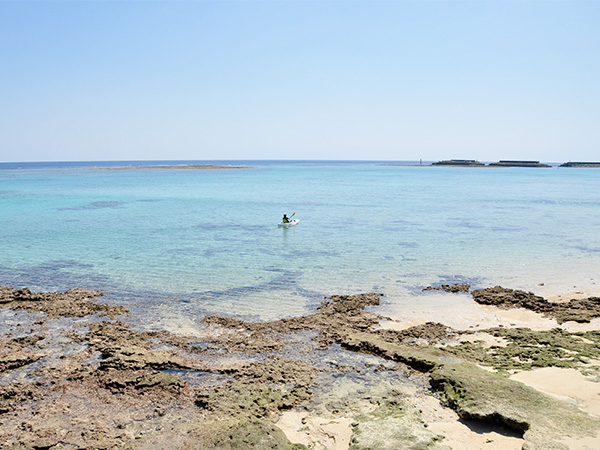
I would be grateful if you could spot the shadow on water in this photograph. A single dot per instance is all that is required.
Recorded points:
(286, 279)
(53, 276)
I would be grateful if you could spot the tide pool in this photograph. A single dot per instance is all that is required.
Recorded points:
(179, 243)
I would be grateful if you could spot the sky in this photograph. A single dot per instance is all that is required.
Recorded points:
(349, 80)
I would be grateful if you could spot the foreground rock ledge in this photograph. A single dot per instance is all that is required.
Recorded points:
(103, 385)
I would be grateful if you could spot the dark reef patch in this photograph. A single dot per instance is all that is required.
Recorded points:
(577, 310)
(110, 204)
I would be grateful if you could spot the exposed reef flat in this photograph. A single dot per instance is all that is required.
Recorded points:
(183, 166)
(576, 310)
(75, 375)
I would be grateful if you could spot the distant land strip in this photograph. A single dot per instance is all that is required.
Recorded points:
(510, 163)
(204, 167)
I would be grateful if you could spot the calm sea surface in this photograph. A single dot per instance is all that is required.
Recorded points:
(192, 242)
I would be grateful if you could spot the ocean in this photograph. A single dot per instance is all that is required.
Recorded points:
(176, 245)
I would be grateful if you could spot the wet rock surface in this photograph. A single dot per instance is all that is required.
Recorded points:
(102, 384)
(428, 333)
(73, 303)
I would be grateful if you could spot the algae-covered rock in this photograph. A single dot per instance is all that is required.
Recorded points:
(428, 333)
(482, 395)
(526, 349)
(394, 425)
(419, 358)
(260, 389)
(478, 394)
(253, 434)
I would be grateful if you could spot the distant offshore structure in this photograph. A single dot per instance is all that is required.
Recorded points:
(580, 164)
(507, 163)
(501, 163)
(459, 162)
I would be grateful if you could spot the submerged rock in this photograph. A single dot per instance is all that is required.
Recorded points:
(452, 288)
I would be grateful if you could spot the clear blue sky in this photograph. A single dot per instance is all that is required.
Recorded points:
(398, 80)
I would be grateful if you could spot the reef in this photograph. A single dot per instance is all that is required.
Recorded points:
(577, 310)
(96, 382)
(182, 166)
(73, 303)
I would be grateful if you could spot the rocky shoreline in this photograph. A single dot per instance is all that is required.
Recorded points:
(75, 375)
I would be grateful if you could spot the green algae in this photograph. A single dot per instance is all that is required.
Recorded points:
(527, 349)
(252, 434)
(482, 395)
(259, 390)
(395, 424)
(478, 394)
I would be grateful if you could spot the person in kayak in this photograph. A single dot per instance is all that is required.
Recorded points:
(285, 219)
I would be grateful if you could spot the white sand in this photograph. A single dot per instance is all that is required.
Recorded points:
(316, 433)
(458, 435)
(566, 384)
(569, 385)
(461, 312)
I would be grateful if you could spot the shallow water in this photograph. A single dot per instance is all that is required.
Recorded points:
(175, 245)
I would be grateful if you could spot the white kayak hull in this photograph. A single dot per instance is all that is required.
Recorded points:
(291, 223)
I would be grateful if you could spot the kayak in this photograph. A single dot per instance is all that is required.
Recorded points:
(289, 224)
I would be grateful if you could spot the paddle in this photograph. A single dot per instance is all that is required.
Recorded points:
(290, 218)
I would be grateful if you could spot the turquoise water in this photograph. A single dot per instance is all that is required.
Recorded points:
(203, 241)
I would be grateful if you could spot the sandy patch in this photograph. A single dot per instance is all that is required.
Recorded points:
(589, 443)
(566, 384)
(316, 433)
(463, 313)
(524, 318)
(487, 339)
(564, 291)
(462, 436)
